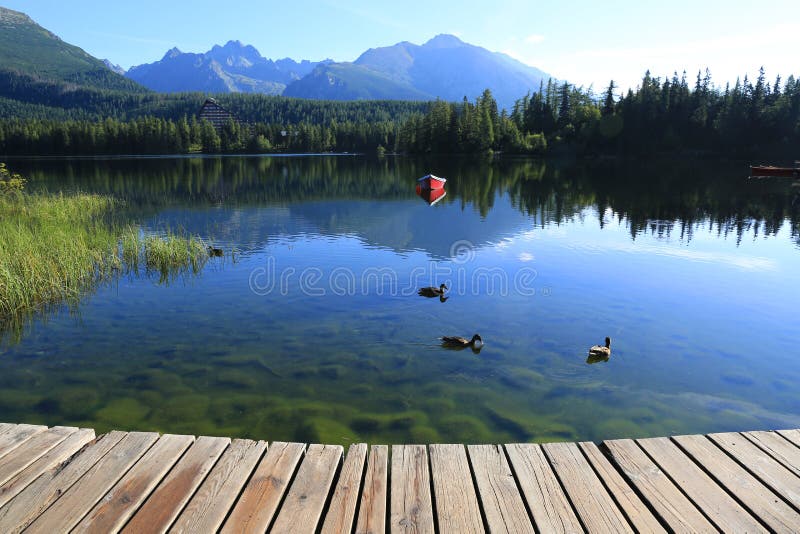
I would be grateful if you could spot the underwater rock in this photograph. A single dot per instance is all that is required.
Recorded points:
(464, 429)
(123, 413)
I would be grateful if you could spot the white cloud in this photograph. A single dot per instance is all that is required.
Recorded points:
(534, 38)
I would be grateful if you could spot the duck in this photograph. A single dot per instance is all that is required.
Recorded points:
(215, 252)
(598, 351)
(458, 342)
(432, 291)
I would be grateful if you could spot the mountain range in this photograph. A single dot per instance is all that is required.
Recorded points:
(233, 68)
(445, 67)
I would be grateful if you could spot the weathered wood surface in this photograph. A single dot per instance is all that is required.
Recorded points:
(62, 479)
(791, 435)
(410, 494)
(17, 435)
(457, 508)
(667, 500)
(549, 505)
(595, 507)
(778, 515)
(50, 459)
(259, 501)
(216, 496)
(782, 450)
(302, 509)
(169, 498)
(762, 465)
(374, 495)
(502, 504)
(117, 506)
(29, 503)
(342, 509)
(640, 516)
(706, 495)
(17, 460)
(70, 508)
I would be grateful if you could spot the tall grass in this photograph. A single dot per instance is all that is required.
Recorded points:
(169, 255)
(55, 248)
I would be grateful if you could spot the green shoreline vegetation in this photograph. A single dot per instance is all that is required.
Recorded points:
(662, 115)
(56, 248)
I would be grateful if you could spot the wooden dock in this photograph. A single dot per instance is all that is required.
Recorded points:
(63, 479)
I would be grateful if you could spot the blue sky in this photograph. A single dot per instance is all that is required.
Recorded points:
(586, 42)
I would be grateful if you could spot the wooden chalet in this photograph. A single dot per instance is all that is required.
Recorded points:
(216, 114)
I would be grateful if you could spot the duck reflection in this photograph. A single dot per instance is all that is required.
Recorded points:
(596, 358)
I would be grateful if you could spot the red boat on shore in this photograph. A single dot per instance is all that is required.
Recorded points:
(430, 181)
(769, 170)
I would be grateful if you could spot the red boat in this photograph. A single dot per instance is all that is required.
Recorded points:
(430, 181)
(769, 170)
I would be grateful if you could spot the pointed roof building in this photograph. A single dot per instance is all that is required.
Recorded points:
(216, 114)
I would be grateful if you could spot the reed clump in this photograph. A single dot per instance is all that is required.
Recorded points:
(175, 254)
(55, 248)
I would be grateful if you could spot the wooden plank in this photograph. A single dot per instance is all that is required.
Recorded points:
(67, 511)
(17, 435)
(596, 508)
(704, 492)
(21, 510)
(762, 465)
(411, 507)
(637, 512)
(117, 506)
(342, 509)
(548, 504)
(262, 495)
(791, 435)
(302, 509)
(667, 500)
(457, 508)
(210, 505)
(72, 444)
(502, 503)
(372, 513)
(777, 447)
(5, 427)
(172, 494)
(36, 446)
(758, 498)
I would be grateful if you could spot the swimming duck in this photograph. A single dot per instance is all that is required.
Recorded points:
(216, 252)
(600, 351)
(457, 342)
(432, 291)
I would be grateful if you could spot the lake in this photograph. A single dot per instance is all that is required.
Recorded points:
(310, 327)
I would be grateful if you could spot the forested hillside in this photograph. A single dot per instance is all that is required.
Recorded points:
(661, 115)
(27, 48)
